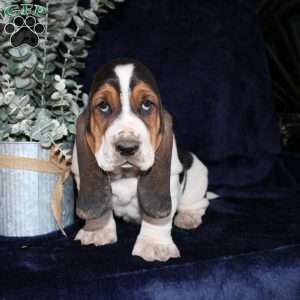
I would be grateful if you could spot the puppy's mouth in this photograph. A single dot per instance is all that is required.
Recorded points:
(127, 165)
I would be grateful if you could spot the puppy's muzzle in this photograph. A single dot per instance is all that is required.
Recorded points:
(127, 147)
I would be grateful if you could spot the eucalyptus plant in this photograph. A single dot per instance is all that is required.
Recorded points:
(40, 98)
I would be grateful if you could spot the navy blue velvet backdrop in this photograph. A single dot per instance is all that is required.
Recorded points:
(211, 70)
(208, 59)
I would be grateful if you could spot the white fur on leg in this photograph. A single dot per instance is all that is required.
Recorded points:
(193, 202)
(103, 236)
(155, 242)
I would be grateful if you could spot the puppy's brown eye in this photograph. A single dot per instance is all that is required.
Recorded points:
(146, 106)
(104, 107)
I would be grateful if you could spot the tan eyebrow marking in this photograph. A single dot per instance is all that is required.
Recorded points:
(145, 90)
(99, 124)
(152, 120)
(108, 92)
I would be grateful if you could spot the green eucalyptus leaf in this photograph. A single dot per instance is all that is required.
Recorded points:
(78, 45)
(4, 132)
(55, 96)
(22, 82)
(59, 14)
(70, 83)
(109, 4)
(78, 21)
(60, 85)
(102, 10)
(60, 132)
(5, 45)
(45, 141)
(50, 57)
(19, 53)
(69, 32)
(30, 62)
(60, 103)
(3, 116)
(72, 128)
(71, 73)
(27, 72)
(81, 54)
(87, 36)
(90, 16)
(22, 127)
(14, 68)
(75, 109)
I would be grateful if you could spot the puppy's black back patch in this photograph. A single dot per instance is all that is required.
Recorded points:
(185, 158)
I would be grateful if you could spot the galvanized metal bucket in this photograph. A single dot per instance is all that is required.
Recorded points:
(25, 196)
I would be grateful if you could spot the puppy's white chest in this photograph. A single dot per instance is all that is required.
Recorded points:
(124, 199)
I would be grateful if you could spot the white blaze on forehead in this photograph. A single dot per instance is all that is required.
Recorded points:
(127, 124)
(124, 74)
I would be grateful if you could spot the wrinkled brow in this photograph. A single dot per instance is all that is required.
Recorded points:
(107, 91)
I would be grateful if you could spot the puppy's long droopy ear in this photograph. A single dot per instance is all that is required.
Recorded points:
(95, 191)
(154, 186)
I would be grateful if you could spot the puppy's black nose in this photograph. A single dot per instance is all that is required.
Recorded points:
(127, 148)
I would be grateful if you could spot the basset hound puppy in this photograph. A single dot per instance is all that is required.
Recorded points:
(126, 163)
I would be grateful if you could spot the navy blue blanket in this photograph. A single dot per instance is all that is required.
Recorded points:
(210, 65)
(246, 249)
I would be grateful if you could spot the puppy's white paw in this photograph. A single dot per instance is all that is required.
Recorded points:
(100, 237)
(150, 250)
(188, 219)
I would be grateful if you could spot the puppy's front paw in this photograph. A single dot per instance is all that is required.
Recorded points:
(150, 251)
(100, 237)
(188, 219)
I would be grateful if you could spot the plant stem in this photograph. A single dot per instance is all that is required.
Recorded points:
(45, 60)
(68, 53)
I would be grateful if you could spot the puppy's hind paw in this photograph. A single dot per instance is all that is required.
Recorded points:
(188, 219)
